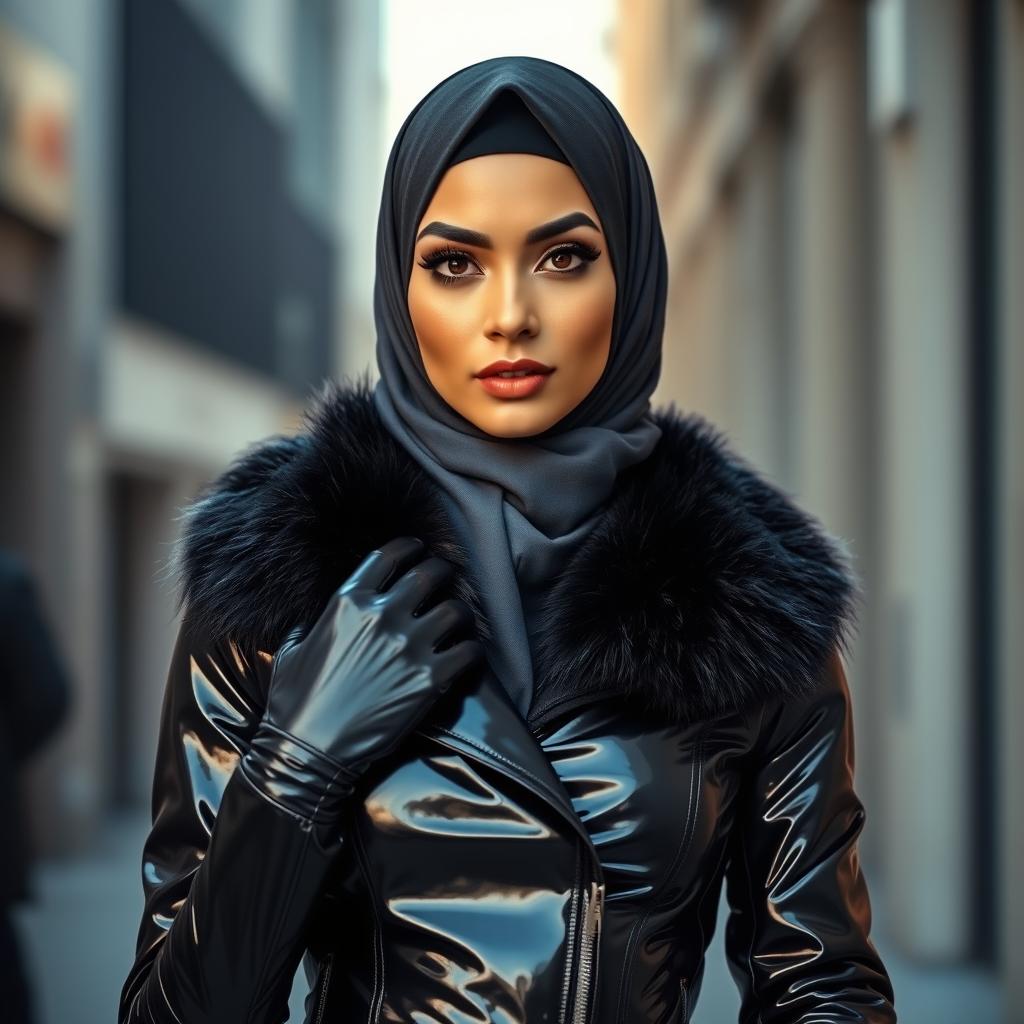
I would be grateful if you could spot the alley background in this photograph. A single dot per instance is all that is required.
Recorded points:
(188, 199)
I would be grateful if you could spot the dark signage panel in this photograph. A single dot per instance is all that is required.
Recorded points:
(209, 232)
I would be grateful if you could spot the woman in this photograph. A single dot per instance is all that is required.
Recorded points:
(514, 672)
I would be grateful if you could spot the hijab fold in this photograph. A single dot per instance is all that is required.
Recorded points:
(522, 506)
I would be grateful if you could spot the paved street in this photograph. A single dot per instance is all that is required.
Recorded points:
(81, 939)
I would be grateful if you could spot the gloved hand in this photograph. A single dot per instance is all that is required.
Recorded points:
(346, 694)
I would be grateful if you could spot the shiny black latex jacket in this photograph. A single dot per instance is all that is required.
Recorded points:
(691, 727)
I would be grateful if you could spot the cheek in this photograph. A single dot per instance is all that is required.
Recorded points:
(582, 321)
(438, 325)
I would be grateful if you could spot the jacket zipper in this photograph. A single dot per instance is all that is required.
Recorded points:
(570, 944)
(683, 996)
(590, 936)
(325, 982)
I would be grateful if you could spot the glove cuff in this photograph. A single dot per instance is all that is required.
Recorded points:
(296, 776)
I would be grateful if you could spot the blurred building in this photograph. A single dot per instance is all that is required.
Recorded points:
(177, 180)
(840, 184)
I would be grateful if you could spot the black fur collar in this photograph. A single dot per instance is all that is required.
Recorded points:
(705, 588)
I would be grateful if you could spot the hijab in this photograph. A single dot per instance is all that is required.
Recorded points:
(522, 506)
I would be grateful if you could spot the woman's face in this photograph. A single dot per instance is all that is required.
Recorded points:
(511, 264)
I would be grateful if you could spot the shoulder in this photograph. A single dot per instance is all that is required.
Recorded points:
(264, 543)
(747, 514)
(708, 587)
(786, 583)
(773, 559)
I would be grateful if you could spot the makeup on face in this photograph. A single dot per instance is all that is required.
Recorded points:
(481, 241)
(518, 379)
(510, 265)
(445, 255)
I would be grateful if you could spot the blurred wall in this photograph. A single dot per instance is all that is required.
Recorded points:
(132, 375)
(1008, 74)
(840, 188)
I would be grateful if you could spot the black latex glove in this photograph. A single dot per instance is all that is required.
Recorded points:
(345, 695)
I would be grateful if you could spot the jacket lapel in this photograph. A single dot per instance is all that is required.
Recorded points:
(484, 725)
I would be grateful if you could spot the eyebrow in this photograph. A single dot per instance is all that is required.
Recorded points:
(468, 237)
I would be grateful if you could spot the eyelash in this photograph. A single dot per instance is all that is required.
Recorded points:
(434, 259)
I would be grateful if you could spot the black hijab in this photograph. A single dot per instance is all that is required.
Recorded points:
(523, 505)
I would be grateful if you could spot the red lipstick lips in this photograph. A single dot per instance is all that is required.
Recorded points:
(520, 364)
(530, 378)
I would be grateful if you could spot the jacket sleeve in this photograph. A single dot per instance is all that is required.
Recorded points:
(229, 875)
(797, 937)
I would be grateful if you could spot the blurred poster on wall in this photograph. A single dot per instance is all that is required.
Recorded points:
(36, 102)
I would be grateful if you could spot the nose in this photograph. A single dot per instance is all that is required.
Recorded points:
(511, 313)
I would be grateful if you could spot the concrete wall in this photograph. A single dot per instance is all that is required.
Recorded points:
(1010, 50)
(813, 163)
(926, 504)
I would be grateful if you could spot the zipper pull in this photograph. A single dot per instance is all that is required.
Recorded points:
(594, 908)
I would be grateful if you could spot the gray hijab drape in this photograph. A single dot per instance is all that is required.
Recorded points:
(523, 505)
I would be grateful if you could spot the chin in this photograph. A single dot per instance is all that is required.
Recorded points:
(509, 422)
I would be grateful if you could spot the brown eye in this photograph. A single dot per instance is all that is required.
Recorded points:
(449, 266)
(457, 264)
(561, 260)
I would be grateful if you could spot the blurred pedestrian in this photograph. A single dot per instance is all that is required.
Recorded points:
(34, 699)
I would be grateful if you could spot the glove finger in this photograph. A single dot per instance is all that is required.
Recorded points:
(413, 589)
(457, 662)
(447, 619)
(385, 564)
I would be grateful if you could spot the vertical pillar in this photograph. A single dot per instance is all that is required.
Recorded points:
(831, 414)
(924, 589)
(1010, 476)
